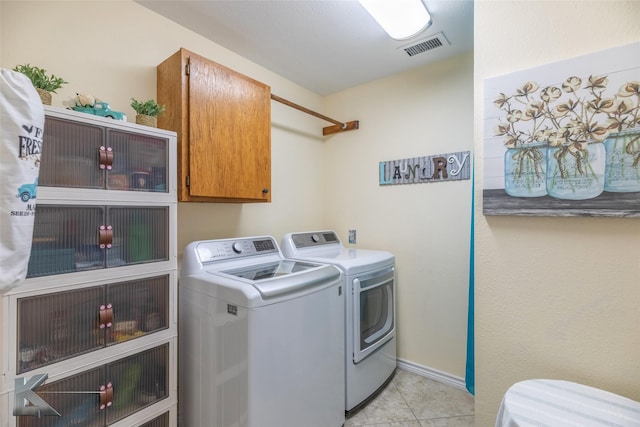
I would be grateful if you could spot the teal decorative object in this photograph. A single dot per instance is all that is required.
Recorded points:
(101, 109)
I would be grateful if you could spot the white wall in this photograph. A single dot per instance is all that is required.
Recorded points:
(111, 48)
(423, 112)
(555, 297)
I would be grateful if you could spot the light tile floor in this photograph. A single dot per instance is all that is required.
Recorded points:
(411, 400)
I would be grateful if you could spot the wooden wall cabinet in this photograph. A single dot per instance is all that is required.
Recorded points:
(223, 122)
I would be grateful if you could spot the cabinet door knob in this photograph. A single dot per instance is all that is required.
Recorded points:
(265, 190)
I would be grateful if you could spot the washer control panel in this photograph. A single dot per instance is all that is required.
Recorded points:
(216, 250)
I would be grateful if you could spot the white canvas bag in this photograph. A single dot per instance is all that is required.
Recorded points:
(21, 128)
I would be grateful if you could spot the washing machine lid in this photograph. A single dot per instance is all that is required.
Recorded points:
(284, 277)
(251, 271)
(270, 270)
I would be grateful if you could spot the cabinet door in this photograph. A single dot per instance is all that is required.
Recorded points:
(229, 134)
(104, 395)
(66, 239)
(140, 162)
(139, 307)
(70, 154)
(138, 381)
(54, 327)
(75, 238)
(82, 155)
(77, 400)
(140, 235)
(58, 326)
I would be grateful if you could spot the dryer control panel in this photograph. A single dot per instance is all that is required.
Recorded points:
(317, 238)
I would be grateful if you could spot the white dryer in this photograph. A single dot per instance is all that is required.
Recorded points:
(260, 337)
(370, 332)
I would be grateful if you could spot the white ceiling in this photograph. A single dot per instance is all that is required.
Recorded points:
(325, 46)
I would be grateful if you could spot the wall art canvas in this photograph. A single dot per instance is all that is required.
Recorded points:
(563, 139)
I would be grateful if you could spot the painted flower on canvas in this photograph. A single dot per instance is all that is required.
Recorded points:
(560, 128)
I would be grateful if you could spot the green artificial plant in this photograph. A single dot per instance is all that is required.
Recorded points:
(148, 108)
(39, 78)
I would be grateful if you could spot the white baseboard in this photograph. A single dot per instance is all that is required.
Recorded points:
(432, 374)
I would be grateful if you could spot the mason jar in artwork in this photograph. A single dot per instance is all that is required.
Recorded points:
(622, 173)
(525, 170)
(576, 171)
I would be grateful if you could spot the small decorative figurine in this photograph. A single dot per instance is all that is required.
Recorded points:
(86, 103)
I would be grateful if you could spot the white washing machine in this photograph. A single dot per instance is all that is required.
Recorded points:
(260, 337)
(370, 332)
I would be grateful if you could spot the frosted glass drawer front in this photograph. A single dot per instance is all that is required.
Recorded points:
(81, 155)
(140, 162)
(76, 409)
(76, 238)
(65, 239)
(69, 155)
(118, 390)
(160, 421)
(140, 235)
(138, 381)
(139, 308)
(58, 326)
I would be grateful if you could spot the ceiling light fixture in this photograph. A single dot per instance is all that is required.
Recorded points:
(401, 19)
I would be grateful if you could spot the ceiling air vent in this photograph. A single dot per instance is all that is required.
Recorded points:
(431, 43)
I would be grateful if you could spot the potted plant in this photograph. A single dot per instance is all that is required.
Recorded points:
(45, 85)
(146, 111)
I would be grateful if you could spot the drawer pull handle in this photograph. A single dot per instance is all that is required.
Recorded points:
(105, 236)
(105, 159)
(109, 158)
(106, 396)
(105, 315)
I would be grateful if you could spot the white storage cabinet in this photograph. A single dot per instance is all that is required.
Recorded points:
(97, 312)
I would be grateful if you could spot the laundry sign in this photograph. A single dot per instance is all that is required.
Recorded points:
(437, 168)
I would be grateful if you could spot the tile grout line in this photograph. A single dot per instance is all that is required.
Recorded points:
(404, 400)
(407, 403)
